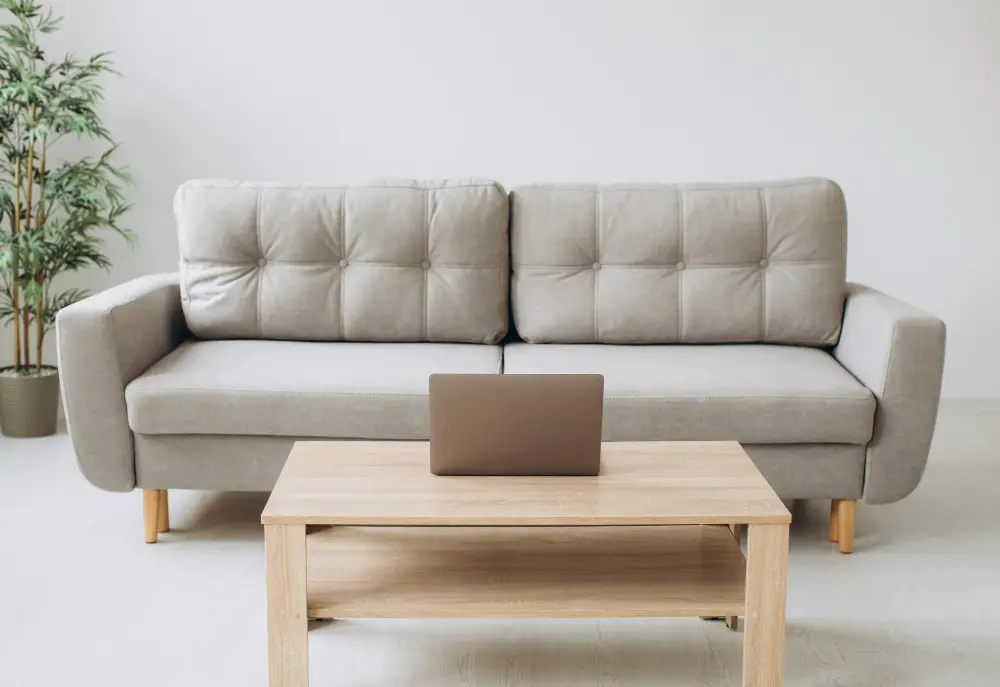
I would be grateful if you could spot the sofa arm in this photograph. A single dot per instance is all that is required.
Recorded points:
(897, 351)
(104, 342)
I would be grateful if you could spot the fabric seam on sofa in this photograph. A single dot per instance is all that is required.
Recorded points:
(343, 251)
(260, 250)
(597, 264)
(390, 394)
(680, 257)
(686, 188)
(379, 263)
(423, 264)
(296, 187)
(888, 356)
(289, 392)
(651, 265)
(738, 398)
(763, 272)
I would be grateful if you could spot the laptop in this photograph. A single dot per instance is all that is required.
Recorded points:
(516, 424)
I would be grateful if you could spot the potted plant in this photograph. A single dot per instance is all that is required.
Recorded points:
(54, 209)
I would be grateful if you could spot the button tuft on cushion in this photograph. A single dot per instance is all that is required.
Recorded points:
(262, 262)
(596, 265)
(763, 263)
(426, 265)
(343, 263)
(681, 265)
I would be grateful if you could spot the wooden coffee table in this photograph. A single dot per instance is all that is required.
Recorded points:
(651, 536)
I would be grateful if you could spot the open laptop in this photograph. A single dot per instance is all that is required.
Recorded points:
(516, 424)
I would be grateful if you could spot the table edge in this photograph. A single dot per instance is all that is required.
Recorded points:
(544, 521)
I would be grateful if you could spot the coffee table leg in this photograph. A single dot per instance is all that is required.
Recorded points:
(287, 621)
(764, 633)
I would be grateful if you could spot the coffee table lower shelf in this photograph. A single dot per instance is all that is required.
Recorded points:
(524, 572)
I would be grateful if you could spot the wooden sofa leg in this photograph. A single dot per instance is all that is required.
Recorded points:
(150, 514)
(163, 517)
(835, 520)
(845, 521)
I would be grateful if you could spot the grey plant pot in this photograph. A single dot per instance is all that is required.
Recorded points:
(28, 405)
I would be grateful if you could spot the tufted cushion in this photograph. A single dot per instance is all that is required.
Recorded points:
(697, 264)
(392, 261)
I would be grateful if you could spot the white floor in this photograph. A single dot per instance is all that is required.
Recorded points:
(84, 602)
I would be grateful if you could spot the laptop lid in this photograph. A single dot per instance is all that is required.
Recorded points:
(516, 424)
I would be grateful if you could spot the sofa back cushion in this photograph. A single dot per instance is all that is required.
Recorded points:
(696, 264)
(389, 261)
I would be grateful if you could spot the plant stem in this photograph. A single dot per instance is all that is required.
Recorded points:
(29, 178)
(25, 332)
(15, 289)
(30, 171)
(40, 301)
(40, 220)
(39, 327)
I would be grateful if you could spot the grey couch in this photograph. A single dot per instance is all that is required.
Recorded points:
(713, 311)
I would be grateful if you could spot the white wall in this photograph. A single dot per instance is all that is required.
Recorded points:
(898, 100)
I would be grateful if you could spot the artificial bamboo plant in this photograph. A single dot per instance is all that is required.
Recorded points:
(55, 207)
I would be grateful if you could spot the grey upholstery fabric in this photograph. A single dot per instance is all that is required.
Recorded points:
(290, 288)
(252, 463)
(392, 261)
(897, 351)
(694, 264)
(754, 393)
(811, 471)
(210, 461)
(297, 388)
(105, 341)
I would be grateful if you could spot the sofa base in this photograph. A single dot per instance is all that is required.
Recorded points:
(215, 462)
(252, 463)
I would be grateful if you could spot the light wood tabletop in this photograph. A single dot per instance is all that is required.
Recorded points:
(641, 483)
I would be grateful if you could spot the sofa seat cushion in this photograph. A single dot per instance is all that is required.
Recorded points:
(756, 393)
(298, 389)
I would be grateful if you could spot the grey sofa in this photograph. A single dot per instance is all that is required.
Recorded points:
(713, 311)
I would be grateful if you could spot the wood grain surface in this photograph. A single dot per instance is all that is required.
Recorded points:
(287, 641)
(515, 572)
(764, 634)
(641, 483)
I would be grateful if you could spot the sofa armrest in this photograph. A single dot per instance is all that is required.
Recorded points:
(897, 351)
(104, 342)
